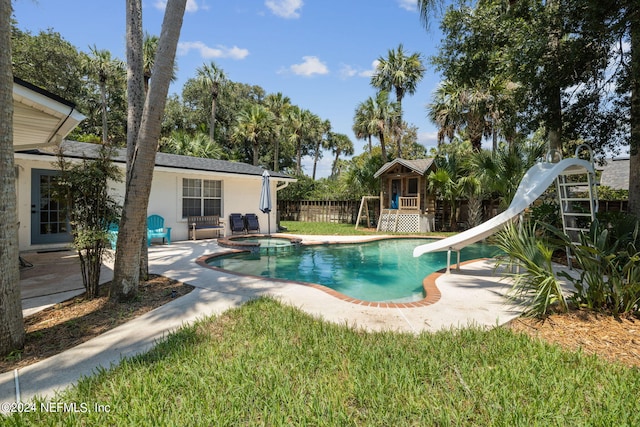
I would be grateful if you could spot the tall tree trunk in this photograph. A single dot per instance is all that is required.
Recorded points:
(634, 163)
(214, 101)
(315, 161)
(554, 91)
(138, 186)
(137, 86)
(256, 152)
(11, 325)
(276, 154)
(383, 148)
(103, 101)
(398, 125)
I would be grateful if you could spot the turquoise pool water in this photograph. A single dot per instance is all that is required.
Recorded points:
(382, 271)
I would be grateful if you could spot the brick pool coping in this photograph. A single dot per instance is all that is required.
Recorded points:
(431, 290)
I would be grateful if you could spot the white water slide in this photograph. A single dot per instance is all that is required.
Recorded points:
(534, 183)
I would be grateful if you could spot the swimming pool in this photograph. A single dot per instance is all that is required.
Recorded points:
(378, 271)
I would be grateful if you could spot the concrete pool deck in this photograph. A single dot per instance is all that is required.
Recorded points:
(472, 296)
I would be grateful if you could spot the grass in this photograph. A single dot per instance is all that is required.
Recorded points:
(269, 364)
(338, 229)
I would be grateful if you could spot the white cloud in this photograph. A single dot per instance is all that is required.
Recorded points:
(347, 71)
(192, 5)
(212, 52)
(410, 5)
(285, 8)
(310, 66)
(428, 139)
(370, 71)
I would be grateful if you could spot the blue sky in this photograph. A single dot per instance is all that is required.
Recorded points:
(320, 53)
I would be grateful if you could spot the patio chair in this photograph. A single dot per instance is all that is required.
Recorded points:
(156, 230)
(112, 233)
(236, 222)
(251, 223)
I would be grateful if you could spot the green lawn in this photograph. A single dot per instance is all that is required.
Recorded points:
(333, 228)
(269, 364)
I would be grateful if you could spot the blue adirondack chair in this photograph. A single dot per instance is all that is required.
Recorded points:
(112, 232)
(156, 230)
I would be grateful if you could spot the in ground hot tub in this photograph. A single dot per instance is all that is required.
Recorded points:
(260, 243)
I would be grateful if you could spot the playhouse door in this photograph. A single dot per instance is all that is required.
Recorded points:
(48, 222)
(395, 193)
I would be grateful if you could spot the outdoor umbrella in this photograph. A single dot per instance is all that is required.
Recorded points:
(265, 198)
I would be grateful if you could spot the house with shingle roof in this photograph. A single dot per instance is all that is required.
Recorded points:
(614, 173)
(182, 186)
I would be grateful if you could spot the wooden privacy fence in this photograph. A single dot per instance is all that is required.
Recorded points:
(344, 211)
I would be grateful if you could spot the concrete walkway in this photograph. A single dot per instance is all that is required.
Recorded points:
(473, 296)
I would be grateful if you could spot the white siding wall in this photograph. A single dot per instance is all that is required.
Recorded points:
(240, 194)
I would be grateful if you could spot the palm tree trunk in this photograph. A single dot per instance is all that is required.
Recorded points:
(214, 99)
(276, 154)
(315, 161)
(126, 275)
(256, 153)
(383, 148)
(137, 87)
(11, 325)
(103, 101)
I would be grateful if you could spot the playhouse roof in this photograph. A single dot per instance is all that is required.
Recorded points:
(419, 166)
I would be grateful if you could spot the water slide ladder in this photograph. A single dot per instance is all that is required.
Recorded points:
(578, 199)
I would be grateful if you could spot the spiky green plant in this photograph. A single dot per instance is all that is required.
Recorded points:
(528, 262)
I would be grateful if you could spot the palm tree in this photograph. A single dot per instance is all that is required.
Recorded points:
(210, 77)
(11, 325)
(299, 125)
(399, 72)
(254, 125)
(363, 123)
(104, 69)
(501, 171)
(382, 114)
(149, 49)
(460, 107)
(198, 145)
(319, 133)
(278, 104)
(126, 272)
(340, 144)
(452, 179)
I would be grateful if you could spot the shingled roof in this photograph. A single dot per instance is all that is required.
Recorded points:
(83, 150)
(419, 166)
(615, 173)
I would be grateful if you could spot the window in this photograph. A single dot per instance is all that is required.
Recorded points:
(413, 186)
(201, 197)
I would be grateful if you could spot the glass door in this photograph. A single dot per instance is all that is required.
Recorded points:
(48, 221)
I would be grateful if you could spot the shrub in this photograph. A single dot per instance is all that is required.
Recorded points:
(528, 257)
(608, 258)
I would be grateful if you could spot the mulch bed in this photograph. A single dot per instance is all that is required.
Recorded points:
(613, 339)
(72, 322)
